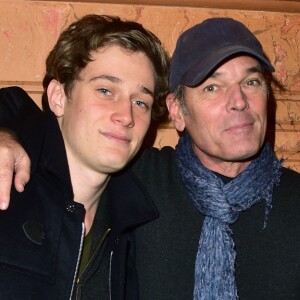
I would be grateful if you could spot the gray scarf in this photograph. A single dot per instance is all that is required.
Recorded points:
(221, 204)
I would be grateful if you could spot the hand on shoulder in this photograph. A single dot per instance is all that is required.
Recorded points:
(14, 166)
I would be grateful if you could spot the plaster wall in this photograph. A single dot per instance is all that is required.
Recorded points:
(29, 29)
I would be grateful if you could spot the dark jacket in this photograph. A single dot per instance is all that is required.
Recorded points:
(267, 262)
(41, 233)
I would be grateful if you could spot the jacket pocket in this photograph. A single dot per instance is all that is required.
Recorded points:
(29, 235)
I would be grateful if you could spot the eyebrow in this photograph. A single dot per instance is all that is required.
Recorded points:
(255, 69)
(114, 79)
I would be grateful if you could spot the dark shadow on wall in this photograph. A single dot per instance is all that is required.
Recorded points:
(152, 132)
(271, 109)
(271, 126)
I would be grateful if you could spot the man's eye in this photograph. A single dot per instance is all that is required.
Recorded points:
(253, 82)
(104, 91)
(210, 88)
(140, 104)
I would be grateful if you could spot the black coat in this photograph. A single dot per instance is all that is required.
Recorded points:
(41, 233)
(267, 261)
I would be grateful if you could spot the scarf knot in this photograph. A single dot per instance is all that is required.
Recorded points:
(221, 204)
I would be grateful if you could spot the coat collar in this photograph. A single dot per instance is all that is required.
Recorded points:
(42, 139)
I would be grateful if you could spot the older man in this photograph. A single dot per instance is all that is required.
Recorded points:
(236, 233)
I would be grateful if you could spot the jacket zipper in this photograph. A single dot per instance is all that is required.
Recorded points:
(109, 279)
(78, 258)
(78, 281)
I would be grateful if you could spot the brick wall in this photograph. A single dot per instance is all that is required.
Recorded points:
(29, 29)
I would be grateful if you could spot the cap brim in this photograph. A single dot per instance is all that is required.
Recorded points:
(203, 68)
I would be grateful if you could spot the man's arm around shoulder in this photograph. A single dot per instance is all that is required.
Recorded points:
(13, 158)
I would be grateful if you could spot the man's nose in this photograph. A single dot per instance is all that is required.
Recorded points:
(237, 99)
(124, 113)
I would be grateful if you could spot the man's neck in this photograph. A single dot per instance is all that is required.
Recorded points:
(88, 188)
(228, 169)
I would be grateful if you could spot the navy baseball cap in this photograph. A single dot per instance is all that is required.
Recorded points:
(203, 47)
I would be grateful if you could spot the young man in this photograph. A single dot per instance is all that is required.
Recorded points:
(63, 237)
(229, 220)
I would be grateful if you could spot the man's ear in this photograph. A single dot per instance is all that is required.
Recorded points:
(56, 97)
(175, 112)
